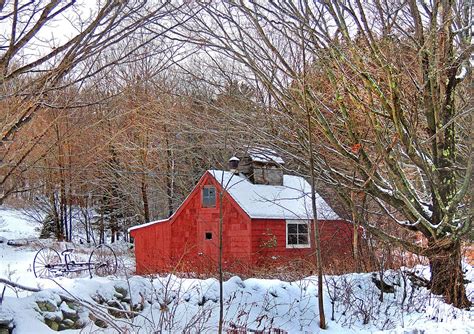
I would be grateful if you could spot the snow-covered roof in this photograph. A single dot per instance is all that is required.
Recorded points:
(148, 224)
(290, 201)
(260, 154)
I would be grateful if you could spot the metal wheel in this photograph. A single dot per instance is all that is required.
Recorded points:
(47, 263)
(102, 261)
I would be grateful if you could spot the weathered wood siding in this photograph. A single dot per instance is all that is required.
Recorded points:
(180, 244)
(269, 241)
(152, 248)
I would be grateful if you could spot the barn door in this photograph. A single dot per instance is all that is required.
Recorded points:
(207, 241)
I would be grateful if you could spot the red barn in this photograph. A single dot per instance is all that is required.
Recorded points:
(266, 220)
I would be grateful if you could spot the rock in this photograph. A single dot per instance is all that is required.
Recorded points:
(5, 319)
(47, 306)
(52, 324)
(118, 296)
(138, 307)
(115, 312)
(72, 305)
(121, 290)
(98, 299)
(114, 303)
(80, 323)
(53, 316)
(98, 322)
(68, 312)
(6, 323)
(66, 324)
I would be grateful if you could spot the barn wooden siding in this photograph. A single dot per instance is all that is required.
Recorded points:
(179, 244)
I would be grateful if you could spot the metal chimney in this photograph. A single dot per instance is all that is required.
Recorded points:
(234, 165)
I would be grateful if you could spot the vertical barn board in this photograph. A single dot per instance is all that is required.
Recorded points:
(183, 231)
(236, 236)
(236, 232)
(180, 243)
(336, 240)
(160, 250)
(151, 247)
(269, 244)
(144, 242)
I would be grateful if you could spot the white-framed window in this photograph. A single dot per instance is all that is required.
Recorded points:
(297, 234)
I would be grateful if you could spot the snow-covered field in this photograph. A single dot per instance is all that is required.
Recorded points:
(135, 304)
(16, 263)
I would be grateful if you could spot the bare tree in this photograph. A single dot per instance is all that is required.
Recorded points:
(37, 60)
(385, 91)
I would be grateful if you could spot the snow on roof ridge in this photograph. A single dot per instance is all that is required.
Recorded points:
(292, 200)
(148, 224)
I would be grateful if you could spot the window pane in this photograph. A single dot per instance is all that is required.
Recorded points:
(208, 197)
(292, 228)
(302, 228)
(292, 239)
(302, 239)
(212, 198)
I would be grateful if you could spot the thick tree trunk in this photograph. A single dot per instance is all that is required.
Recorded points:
(113, 229)
(146, 207)
(57, 221)
(101, 230)
(446, 272)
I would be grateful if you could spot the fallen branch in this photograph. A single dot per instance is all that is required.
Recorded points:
(2, 294)
(18, 285)
(418, 280)
(383, 286)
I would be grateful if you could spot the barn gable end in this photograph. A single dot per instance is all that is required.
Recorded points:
(188, 240)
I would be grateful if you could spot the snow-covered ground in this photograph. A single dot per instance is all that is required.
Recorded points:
(14, 225)
(170, 304)
(16, 262)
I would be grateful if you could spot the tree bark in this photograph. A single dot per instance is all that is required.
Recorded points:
(319, 264)
(447, 277)
(219, 262)
(101, 230)
(55, 215)
(170, 175)
(146, 207)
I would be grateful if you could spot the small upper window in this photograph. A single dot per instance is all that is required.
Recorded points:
(297, 234)
(209, 197)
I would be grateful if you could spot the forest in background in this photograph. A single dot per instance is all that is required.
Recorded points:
(119, 116)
